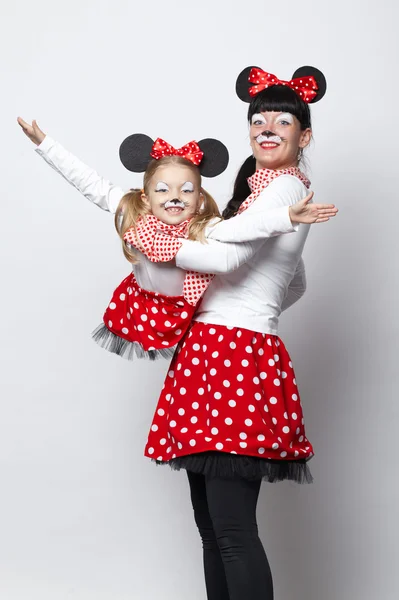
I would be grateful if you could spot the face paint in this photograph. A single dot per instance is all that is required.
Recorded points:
(271, 139)
(161, 186)
(175, 203)
(178, 199)
(258, 119)
(187, 187)
(288, 117)
(275, 139)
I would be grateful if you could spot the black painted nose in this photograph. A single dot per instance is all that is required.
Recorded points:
(268, 133)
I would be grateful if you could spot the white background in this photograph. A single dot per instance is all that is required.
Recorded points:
(83, 515)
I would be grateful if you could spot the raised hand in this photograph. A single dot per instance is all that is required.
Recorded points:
(33, 132)
(306, 212)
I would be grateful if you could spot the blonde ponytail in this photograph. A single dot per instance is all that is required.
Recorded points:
(207, 213)
(130, 209)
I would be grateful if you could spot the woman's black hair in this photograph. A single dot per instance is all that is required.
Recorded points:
(277, 98)
(241, 189)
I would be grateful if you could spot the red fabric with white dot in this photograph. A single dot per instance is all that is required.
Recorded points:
(261, 179)
(160, 243)
(190, 151)
(152, 320)
(229, 390)
(305, 87)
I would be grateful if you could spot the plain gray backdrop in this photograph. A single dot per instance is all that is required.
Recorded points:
(83, 515)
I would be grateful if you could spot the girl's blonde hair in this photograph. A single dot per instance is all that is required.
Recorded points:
(132, 206)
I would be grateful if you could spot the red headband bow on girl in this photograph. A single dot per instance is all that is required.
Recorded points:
(190, 151)
(305, 87)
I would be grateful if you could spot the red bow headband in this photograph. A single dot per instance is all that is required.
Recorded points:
(190, 151)
(209, 155)
(305, 87)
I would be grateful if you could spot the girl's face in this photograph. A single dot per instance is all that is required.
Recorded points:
(276, 139)
(174, 194)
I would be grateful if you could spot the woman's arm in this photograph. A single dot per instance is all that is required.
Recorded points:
(95, 188)
(278, 209)
(225, 257)
(253, 225)
(215, 257)
(296, 288)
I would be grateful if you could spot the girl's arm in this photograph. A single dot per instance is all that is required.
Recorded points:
(278, 209)
(89, 183)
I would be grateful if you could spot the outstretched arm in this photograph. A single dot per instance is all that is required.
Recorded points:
(253, 225)
(226, 256)
(89, 183)
(278, 209)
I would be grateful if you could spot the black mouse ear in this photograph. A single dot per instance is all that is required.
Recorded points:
(215, 159)
(243, 84)
(135, 152)
(319, 78)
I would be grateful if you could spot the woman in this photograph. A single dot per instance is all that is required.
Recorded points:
(230, 407)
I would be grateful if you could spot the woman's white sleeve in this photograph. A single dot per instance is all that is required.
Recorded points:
(268, 216)
(89, 183)
(215, 257)
(296, 288)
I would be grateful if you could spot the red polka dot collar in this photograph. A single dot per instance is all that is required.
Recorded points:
(160, 243)
(261, 179)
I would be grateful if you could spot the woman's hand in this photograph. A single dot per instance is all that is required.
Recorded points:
(33, 132)
(306, 212)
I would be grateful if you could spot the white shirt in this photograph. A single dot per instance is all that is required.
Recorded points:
(256, 278)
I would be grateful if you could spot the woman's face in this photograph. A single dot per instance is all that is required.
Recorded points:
(174, 194)
(276, 139)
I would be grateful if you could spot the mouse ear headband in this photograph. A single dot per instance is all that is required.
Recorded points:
(308, 82)
(209, 155)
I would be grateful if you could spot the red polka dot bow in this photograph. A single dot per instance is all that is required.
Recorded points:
(305, 87)
(190, 151)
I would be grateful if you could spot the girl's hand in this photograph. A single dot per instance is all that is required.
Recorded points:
(306, 212)
(33, 132)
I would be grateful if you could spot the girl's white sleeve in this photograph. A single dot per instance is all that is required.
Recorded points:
(89, 183)
(268, 216)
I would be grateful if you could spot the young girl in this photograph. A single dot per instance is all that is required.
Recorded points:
(140, 321)
(143, 321)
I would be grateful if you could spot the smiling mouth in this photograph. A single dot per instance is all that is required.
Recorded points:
(174, 210)
(269, 145)
(174, 207)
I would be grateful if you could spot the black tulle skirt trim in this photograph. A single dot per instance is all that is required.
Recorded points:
(228, 466)
(129, 350)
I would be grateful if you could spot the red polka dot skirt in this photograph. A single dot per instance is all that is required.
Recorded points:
(230, 407)
(138, 322)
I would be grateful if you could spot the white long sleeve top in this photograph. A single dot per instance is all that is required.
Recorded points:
(258, 275)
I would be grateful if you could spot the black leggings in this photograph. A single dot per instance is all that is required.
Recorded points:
(235, 563)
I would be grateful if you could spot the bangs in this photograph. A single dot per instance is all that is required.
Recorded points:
(280, 98)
